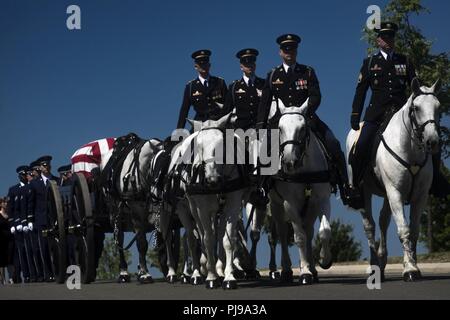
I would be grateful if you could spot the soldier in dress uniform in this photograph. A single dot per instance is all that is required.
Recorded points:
(37, 208)
(65, 174)
(206, 93)
(388, 74)
(293, 83)
(16, 230)
(25, 248)
(30, 241)
(244, 94)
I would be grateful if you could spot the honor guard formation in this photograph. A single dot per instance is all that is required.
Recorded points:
(107, 184)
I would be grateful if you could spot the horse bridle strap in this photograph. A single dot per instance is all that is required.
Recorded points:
(419, 129)
(294, 142)
(403, 162)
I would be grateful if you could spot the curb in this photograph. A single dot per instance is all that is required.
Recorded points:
(361, 269)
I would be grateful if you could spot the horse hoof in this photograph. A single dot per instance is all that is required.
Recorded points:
(411, 276)
(382, 278)
(274, 275)
(286, 276)
(252, 275)
(195, 281)
(306, 279)
(315, 278)
(124, 278)
(326, 266)
(220, 279)
(185, 279)
(172, 279)
(145, 279)
(229, 285)
(239, 274)
(212, 284)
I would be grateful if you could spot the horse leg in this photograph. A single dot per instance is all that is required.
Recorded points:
(384, 220)
(167, 236)
(410, 270)
(369, 229)
(231, 214)
(123, 266)
(286, 264)
(142, 246)
(255, 234)
(192, 243)
(207, 213)
(309, 228)
(300, 239)
(171, 274)
(272, 240)
(417, 208)
(326, 258)
(220, 232)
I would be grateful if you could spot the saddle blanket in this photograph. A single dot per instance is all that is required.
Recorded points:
(89, 156)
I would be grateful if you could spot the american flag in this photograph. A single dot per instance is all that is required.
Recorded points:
(89, 156)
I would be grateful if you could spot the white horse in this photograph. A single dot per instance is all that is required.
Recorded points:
(301, 193)
(403, 174)
(205, 172)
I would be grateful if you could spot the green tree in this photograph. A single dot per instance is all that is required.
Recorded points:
(435, 231)
(436, 223)
(108, 266)
(344, 247)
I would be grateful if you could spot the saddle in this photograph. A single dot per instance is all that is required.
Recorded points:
(110, 177)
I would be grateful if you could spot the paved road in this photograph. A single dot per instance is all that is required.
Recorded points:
(433, 286)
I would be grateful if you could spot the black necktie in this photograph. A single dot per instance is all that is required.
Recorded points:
(250, 83)
(289, 71)
(206, 83)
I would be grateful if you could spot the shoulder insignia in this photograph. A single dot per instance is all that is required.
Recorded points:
(359, 77)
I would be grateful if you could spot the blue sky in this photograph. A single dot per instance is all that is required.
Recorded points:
(125, 70)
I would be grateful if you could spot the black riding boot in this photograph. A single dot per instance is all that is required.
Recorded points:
(349, 196)
(440, 187)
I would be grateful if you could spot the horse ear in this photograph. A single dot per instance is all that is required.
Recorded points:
(415, 86)
(224, 120)
(304, 107)
(436, 86)
(281, 106)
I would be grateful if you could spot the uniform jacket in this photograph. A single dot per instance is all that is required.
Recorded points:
(245, 99)
(208, 102)
(388, 81)
(12, 206)
(292, 90)
(37, 201)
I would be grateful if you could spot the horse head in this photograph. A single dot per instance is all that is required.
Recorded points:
(210, 145)
(293, 136)
(424, 114)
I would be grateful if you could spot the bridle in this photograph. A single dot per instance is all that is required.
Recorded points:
(301, 143)
(418, 130)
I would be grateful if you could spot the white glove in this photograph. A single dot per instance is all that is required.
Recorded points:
(25, 229)
(13, 230)
(19, 228)
(30, 226)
